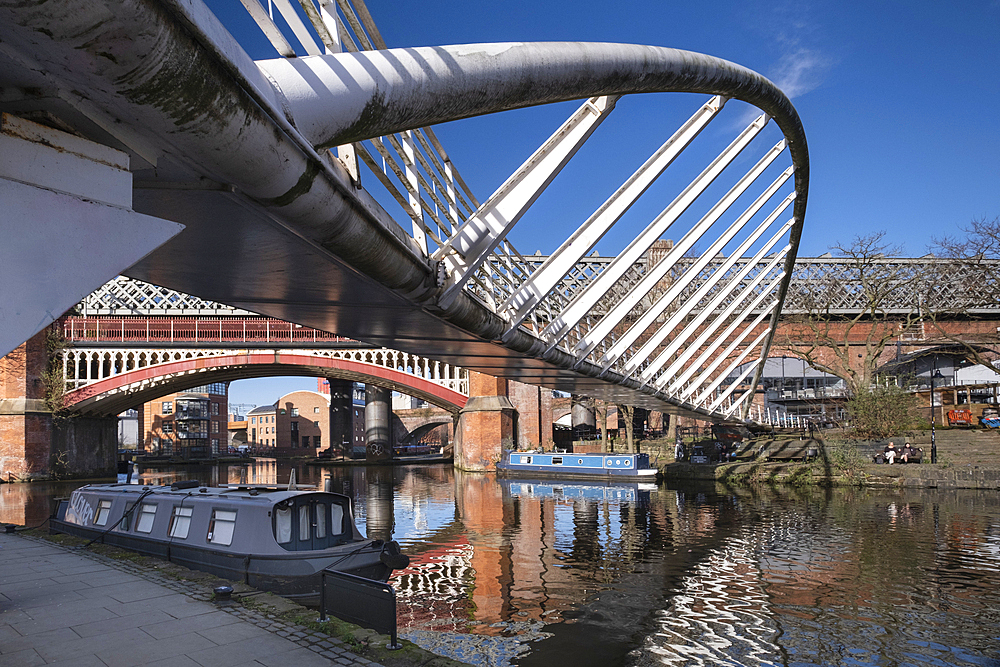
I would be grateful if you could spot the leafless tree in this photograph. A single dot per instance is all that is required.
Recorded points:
(973, 274)
(627, 413)
(849, 314)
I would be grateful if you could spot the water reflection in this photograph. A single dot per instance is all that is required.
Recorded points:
(540, 573)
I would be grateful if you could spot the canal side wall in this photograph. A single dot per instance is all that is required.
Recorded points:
(967, 459)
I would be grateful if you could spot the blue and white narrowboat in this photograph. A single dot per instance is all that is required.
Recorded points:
(273, 539)
(565, 465)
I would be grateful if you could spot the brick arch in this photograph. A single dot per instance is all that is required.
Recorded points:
(121, 392)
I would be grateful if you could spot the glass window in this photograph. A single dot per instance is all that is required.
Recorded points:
(221, 527)
(295, 412)
(283, 524)
(167, 408)
(144, 524)
(336, 519)
(215, 408)
(253, 420)
(168, 427)
(180, 522)
(320, 520)
(103, 512)
(304, 532)
(316, 410)
(127, 518)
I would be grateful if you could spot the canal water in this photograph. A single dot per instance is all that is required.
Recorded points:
(531, 573)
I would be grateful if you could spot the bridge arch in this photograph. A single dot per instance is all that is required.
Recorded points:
(122, 391)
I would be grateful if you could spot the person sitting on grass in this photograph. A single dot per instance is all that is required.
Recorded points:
(890, 453)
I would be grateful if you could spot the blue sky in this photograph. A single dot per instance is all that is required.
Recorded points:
(900, 102)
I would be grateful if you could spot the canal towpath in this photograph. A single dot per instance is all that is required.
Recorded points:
(65, 606)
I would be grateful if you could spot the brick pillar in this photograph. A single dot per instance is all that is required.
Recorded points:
(25, 422)
(487, 425)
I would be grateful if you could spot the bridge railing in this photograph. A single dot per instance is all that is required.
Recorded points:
(191, 330)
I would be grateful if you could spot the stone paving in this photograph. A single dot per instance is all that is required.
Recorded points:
(60, 606)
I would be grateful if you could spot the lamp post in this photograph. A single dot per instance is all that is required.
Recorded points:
(935, 375)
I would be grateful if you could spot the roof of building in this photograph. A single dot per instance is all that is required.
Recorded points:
(264, 409)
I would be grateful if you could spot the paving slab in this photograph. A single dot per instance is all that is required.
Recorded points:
(61, 606)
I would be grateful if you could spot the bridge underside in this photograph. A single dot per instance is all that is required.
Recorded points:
(272, 223)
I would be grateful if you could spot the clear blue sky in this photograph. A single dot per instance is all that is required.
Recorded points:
(900, 102)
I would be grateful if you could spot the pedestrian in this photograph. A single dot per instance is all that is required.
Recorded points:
(890, 453)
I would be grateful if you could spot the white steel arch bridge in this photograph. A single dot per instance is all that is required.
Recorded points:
(263, 164)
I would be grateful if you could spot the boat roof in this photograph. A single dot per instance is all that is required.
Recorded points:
(270, 493)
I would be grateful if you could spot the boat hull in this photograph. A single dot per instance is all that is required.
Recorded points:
(592, 467)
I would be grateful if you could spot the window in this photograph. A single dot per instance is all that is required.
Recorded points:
(180, 522)
(253, 420)
(215, 427)
(221, 527)
(295, 412)
(320, 520)
(316, 441)
(144, 524)
(304, 522)
(305, 441)
(316, 424)
(127, 518)
(557, 460)
(316, 410)
(215, 408)
(167, 408)
(103, 512)
(283, 524)
(167, 427)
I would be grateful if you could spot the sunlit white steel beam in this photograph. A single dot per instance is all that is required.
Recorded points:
(592, 338)
(707, 392)
(544, 279)
(479, 236)
(696, 384)
(581, 305)
(675, 319)
(742, 376)
(705, 348)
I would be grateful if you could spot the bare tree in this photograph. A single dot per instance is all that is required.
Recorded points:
(848, 314)
(970, 268)
(601, 413)
(627, 412)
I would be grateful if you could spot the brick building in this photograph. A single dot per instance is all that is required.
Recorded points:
(191, 424)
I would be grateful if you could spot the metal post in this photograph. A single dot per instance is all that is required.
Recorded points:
(933, 438)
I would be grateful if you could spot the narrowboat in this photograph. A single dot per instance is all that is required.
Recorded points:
(273, 539)
(563, 465)
(615, 490)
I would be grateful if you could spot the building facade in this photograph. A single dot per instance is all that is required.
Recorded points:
(191, 424)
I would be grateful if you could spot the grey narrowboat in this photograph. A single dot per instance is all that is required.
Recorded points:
(272, 539)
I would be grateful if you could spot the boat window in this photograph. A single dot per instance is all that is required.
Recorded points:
(336, 519)
(320, 520)
(144, 524)
(283, 524)
(103, 512)
(180, 522)
(525, 459)
(126, 521)
(304, 532)
(557, 460)
(221, 527)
